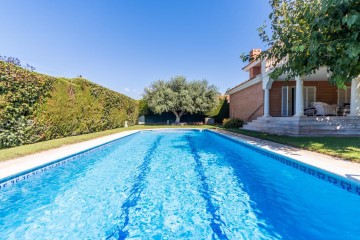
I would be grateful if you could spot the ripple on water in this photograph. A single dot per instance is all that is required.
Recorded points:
(178, 185)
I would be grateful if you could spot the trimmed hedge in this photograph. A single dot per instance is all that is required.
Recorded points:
(36, 107)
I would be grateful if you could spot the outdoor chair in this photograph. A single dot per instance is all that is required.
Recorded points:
(344, 110)
(324, 109)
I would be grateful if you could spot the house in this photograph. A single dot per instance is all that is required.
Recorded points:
(292, 107)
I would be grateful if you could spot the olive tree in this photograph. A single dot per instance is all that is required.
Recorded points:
(309, 34)
(180, 97)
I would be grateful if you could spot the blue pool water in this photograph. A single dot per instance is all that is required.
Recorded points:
(177, 185)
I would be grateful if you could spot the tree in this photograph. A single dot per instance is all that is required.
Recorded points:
(180, 97)
(143, 107)
(309, 34)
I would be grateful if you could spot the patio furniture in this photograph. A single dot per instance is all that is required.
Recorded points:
(324, 109)
(344, 110)
(311, 111)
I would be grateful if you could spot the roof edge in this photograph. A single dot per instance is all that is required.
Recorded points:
(251, 64)
(244, 85)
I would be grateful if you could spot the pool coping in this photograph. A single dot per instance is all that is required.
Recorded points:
(13, 168)
(18, 169)
(349, 171)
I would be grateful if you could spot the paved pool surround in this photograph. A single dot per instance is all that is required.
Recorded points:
(16, 166)
(342, 173)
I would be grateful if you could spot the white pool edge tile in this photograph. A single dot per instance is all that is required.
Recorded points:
(346, 169)
(22, 164)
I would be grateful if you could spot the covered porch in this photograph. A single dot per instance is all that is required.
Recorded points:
(297, 95)
(290, 107)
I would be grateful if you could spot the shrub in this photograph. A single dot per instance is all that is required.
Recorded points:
(221, 111)
(232, 123)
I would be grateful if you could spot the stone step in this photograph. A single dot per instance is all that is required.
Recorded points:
(338, 126)
(309, 122)
(294, 127)
(315, 126)
(305, 123)
(309, 133)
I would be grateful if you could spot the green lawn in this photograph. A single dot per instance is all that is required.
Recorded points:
(10, 153)
(344, 147)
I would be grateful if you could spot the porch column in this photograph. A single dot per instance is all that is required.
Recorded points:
(267, 102)
(299, 110)
(266, 85)
(355, 97)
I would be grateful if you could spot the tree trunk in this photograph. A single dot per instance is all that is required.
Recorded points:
(178, 116)
(177, 121)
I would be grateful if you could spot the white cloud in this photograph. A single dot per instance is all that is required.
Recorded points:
(127, 90)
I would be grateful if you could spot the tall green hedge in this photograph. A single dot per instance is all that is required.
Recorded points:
(36, 107)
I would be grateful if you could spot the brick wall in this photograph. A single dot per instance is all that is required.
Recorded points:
(244, 103)
(254, 71)
(325, 92)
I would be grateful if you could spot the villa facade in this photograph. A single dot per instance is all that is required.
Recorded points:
(289, 106)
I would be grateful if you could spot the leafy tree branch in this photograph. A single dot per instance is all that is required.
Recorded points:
(311, 34)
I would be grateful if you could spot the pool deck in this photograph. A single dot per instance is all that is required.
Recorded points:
(346, 169)
(18, 165)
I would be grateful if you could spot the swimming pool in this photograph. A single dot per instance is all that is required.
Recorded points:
(177, 184)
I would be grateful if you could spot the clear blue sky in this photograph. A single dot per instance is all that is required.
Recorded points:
(127, 44)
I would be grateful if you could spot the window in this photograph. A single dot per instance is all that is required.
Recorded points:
(344, 95)
(288, 99)
(284, 101)
(309, 96)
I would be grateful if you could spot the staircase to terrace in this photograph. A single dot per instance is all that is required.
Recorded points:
(307, 126)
